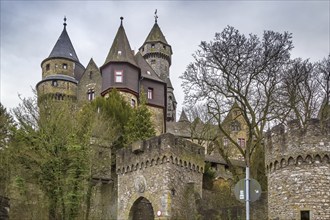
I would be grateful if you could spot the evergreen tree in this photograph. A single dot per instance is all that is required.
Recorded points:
(139, 125)
(6, 130)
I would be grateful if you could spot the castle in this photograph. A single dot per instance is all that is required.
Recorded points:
(161, 178)
(64, 77)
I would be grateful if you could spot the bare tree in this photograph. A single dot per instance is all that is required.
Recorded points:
(301, 95)
(323, 70)
(235, 68)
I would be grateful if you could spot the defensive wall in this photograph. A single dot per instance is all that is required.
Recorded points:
(298, 170)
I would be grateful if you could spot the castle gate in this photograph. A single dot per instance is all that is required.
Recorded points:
(141, 210)
(158, 178)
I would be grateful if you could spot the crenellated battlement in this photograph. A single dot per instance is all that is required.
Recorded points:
(166, 148)
(294, 145)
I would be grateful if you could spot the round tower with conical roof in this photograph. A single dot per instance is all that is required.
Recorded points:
(158, 53)
(61, 71)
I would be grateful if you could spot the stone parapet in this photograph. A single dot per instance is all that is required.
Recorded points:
(165, 148)
(285, 147)
(298, 170)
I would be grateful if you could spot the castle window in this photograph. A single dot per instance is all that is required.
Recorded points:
(47, 67)
(118, 76)
(153, 61)
(90, 74)
(90, 94)
(119, 52)
(164, 47)
(241, 142)
(56, 66)
(150, 93)
(235, 126)
(152, 45)
(133, 103)
(54, 83)
(64, 66)
(304, 215)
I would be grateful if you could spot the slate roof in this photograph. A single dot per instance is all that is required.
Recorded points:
(183, 117)
(146, 70)
(156, 35)
(63, 47)
(120, 50)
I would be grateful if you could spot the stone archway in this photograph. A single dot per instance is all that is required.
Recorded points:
(141, 210)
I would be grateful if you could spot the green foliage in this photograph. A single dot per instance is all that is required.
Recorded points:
(258, 166)
(6, 130)
(53, 145)
(208, 176)
(139, 125)
(114, 107)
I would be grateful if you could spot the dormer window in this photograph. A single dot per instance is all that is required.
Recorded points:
(47, 67)
(118, 76)
(65, 66)
(150, 93)
(119, 52)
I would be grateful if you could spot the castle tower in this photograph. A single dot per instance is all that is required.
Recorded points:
(120, 69)
(158, 53)
(61, 70)
(298, 171)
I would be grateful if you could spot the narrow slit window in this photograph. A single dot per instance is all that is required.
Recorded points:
(65, 66)
(47, 67)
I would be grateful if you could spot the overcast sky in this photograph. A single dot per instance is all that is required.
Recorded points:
(30, 29)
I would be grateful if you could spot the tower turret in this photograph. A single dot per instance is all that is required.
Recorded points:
(61, 70)
(120, 69)
(158, 53)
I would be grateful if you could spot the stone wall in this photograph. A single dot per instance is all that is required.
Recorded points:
(157, 118)
(298, 169)
(166, 171)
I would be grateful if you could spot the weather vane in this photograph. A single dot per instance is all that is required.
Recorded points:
(156, 16)
(64, 20)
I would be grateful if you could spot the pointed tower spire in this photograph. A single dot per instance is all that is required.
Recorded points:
(183, 117)
(120, 50)
(63, 47)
